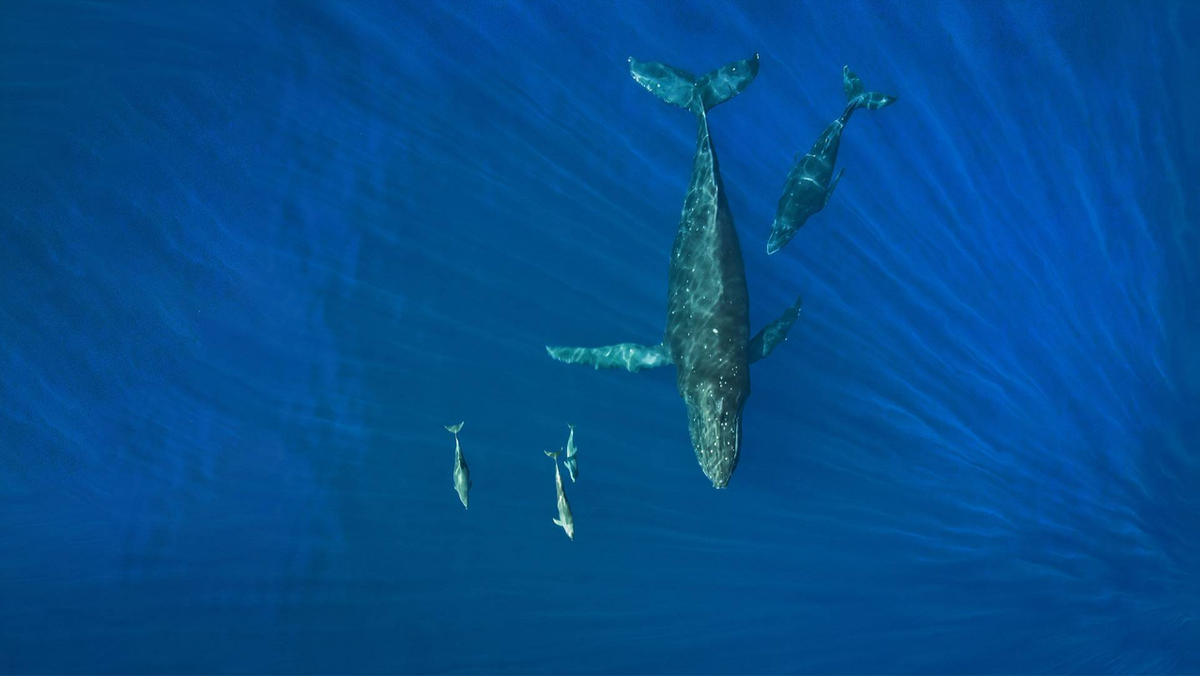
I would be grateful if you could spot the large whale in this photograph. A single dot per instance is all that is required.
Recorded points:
(808, 187)
(708, 322)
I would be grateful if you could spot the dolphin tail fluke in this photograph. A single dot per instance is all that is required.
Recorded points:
(774, 333)
(455, 429)
(681, 88)
(629, 356)
(858, 98)
(551, 455)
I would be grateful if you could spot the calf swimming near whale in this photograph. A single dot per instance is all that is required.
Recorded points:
(808, 186)
(708, 321)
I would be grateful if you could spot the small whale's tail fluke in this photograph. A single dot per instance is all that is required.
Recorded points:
(454, 429)
(681, 88)
(552, 455)
(857, 98)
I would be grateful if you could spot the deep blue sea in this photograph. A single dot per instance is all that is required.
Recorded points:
(255, 255)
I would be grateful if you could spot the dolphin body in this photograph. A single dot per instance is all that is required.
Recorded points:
(571, 462)
(808, 187)
(708, 322)
(565, 519)
(462, 474)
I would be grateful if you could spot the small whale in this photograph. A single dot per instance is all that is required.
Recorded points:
(462, 475)
(808, 186)
(707, 337)
(564, 520)
(571, 463)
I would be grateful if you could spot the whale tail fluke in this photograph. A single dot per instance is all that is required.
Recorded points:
(681, 88)
(552, 455)
(857, 98)
(454, 429)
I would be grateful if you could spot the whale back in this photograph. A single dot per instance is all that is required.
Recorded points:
(708, 318)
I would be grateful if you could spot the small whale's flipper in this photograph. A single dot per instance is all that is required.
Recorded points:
(558, 523)
(773, 334)
(832, 185)
(863, 99)
(455, 429)
(681, 88)
(629, 356)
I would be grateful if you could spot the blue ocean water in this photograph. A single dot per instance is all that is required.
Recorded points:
(254, 256)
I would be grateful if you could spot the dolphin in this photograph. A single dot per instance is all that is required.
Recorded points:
(571, 463)
(462, 475)
(565, 519)
(708, 318)
(808, 186)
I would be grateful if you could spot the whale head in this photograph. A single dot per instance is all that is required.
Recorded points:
(715, 423)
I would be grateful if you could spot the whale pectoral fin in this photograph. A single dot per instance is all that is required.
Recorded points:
(558, 523)
(629, 356)
(774, 333)
(832, 185)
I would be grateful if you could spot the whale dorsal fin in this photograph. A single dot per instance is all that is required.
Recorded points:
(773, 334)
(630, 356)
